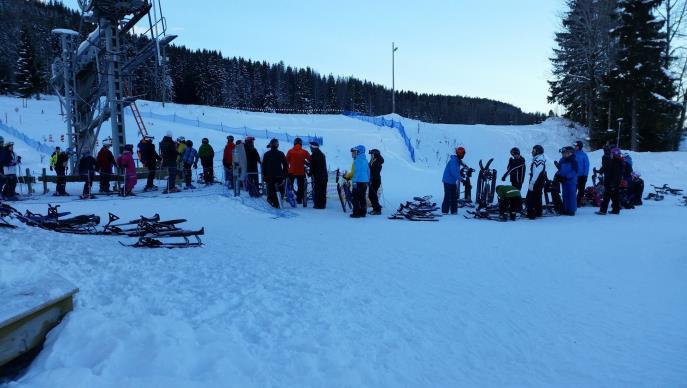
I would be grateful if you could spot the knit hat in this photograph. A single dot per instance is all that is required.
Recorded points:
(313, 144)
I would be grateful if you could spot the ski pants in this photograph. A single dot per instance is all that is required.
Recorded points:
(515, 182)
(10, 185)
(375, 184)
(468, 190)
(359, 199)
(105, 180)
(611, 193)
(88, 183)
(229, 176)
(510, 205)
(581, 186)
(534, 203)
(275, 185)
(300, 192)
(208, 171)
(61, 181)
(129, 183)
(187, 174)
(319, 193)
(152, 169)
(450, 201)
(570, 197)
(171, 177)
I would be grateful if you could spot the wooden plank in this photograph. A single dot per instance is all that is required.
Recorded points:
(30, 312)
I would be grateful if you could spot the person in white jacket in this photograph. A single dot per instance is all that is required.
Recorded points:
(535, 189)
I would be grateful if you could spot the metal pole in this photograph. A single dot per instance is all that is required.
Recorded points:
(620, 123)
(393, 77)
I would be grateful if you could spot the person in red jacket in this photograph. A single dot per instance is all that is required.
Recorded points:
(296, 158)
(227, 161)
(105, 161)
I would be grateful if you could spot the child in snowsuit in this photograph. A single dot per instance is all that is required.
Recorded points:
(567, 176)
(515, 169)
(376, 162)
(190, 159)
(319, 174)
(207, 155)
(510, 201)
(87, 168)
(536, 184)
(105, 162)
(126, 163)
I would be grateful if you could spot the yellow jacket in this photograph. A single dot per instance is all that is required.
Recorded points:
(180, 150)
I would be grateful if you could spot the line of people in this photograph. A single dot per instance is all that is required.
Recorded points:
(569, 179)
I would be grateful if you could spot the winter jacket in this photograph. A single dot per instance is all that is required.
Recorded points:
(53, 158)
(296, 158)
(205, 152)
(125, 161)
(452, 171)
(87, 165)
(582, 163)
(181, 148)
(376, 167)
(252, 158)
(274, 164)
(8, 160)
(318, 166)
(516, 170)
(567, 170)
(147, 153)
(613, 170)
(537, 170)
(504, 191)
(61, 161)
(627, 172)
(105, 161)
(228, 155)
(168, 152)
(360, 170)
(190, 156)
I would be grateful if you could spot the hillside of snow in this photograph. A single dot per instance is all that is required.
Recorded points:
(314, 298)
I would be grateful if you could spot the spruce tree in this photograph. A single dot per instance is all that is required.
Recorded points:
(28, 77)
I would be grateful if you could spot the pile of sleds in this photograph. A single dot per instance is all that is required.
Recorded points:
(149, 232)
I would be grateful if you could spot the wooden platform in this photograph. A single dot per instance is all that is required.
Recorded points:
(29, 311)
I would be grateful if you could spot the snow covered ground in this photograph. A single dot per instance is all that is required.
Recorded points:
(319, 299)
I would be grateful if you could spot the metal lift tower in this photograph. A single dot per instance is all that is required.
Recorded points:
(90, 77)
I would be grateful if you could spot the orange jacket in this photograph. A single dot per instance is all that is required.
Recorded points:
(296, 158)
(227, 158)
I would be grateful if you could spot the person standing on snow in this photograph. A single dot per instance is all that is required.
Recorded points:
(515, 169)
(296, 157)
(126, 163)
(168, 152)
(60, 165)
(227, 161)
(252, 161)
(613, 169)
(149, 158)
(181, 148)
(360, 176)
(87, 167)
(451, 180)
(567, 176)
(535, 189)
(240, 165)
(510, 202)
(106, 161)
(319, 174)
(207, 155)
(582, 171)
(8, 163)
(376, 162)
(274, 170)
(190, 159)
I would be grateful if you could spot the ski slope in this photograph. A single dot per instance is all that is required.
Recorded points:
(318, 299)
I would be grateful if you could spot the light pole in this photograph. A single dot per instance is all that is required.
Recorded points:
(620, 124)
(393, 77)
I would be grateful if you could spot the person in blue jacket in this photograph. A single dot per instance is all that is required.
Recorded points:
(567, 176)
(360, 176)
(190, 159)
(582, 171)
(451, 180)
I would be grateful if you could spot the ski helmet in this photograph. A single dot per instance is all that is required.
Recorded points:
(205, 140)
(567, 149)
(189, 143)
(129, 147)
(515, 151)
(460, 152)
(537, 150)
(579, 145)
(615, 151)
(181, 139)
(374, 151)
(297, 140)
(230, 138)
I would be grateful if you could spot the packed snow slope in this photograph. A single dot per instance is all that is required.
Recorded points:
(314, 298)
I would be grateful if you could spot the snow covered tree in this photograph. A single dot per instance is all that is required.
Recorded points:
(28, 76)
(639, 83)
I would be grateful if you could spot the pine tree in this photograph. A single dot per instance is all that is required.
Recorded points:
(28, 77)
(639, 83)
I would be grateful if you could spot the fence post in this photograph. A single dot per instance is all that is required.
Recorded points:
(45, 181)
(28, 181)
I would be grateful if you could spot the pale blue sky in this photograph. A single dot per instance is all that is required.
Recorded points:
(494, 49)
